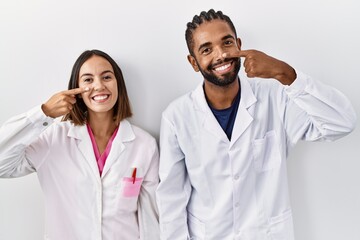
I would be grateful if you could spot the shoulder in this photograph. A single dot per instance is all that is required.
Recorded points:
(183, 105)
(143, 141)
(179, 103)
(264, 90)
(264, 85)
(62, 130)
(63, 126)
(139, 135)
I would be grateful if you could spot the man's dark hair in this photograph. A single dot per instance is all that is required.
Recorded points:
(198, 20)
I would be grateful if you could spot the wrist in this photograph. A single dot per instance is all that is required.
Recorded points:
(43, 108)
(287, 74)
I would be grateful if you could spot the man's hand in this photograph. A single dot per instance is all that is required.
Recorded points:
(258, 64)
(61, 103)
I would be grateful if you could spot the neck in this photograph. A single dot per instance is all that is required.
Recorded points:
(221, 97)
(102, 124)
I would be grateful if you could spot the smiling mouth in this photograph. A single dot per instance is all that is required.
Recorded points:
(222, 68)
(100, 98)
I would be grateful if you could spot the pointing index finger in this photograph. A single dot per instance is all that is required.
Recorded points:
(240, 53)
(76, 91)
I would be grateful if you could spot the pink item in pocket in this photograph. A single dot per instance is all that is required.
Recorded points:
(130, 188)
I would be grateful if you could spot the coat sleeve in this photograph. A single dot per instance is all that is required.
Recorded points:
(17, 156)
(316, 111)
(147, 208)
(174, 189)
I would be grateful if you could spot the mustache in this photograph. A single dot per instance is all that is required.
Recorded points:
(225, 60)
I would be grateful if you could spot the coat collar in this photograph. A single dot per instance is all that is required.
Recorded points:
(243, 117)
(124, 134)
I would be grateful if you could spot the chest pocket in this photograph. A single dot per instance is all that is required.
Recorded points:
(128, 194)
(266, 152)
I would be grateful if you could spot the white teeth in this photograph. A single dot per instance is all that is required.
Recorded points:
(100, 97)
(223, 67)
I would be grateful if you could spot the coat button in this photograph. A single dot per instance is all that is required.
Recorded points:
(45, 124)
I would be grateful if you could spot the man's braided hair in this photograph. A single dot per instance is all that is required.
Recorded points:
(198, 20)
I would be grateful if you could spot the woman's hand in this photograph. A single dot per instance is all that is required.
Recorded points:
(61, 103)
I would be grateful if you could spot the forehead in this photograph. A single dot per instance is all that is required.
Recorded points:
(211, 31)
(95, 64)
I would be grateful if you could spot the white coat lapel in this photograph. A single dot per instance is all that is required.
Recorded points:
(124, 134)
(209, 123)
(85, 147)
(243, 117)
(213, 126)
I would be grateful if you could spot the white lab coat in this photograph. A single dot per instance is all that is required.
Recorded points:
(81, 205)
(212, 188)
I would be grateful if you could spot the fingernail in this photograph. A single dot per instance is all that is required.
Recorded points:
(87, 89)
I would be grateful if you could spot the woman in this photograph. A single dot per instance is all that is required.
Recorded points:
(97, 171)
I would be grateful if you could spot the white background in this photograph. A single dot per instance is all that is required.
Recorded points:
(40, 40)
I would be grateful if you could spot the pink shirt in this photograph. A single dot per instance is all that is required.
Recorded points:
(101, 158)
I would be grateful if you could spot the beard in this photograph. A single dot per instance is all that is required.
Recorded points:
(225, 79)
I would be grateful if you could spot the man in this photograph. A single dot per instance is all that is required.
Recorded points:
(224, 145)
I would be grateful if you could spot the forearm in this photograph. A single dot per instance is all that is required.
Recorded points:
(285, 73)
(174, 190)
(15, 136)
(172, 202)
(327, 113)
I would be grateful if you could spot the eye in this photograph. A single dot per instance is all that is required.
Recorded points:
(87, 80)
(228, 42)
(107, 77)
(205, 51)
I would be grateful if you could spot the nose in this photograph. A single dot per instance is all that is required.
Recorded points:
(220, 54)
(98, 85)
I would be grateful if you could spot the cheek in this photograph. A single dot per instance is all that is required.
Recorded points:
(81, 84)
(85, 95)
(84, 84)
(233, 51)
(114, 89)
(204, 63)
(115, 94)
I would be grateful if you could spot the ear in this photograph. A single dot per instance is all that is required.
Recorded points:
(193, 63)
(238, 41)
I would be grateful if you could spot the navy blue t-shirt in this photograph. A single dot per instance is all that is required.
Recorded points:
(226, 117)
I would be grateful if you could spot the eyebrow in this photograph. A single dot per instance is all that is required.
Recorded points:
(228, 36)
(222, 39)
(89, 74)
